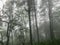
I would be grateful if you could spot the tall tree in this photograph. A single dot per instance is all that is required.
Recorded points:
(34, 7)
(50, 18)
(10, 16)
(29, 14)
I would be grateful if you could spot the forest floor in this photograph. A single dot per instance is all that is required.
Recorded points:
(48, 42)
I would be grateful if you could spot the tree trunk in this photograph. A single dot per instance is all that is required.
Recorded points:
(51, 19)
(1, 39)
(36, 21)
(8, 35)
(29, 9)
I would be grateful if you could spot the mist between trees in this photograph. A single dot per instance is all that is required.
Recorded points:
(30, 22)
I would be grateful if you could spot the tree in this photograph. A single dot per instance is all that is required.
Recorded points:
(51, 18)
(15, 17)
(34, 7)
(29, 14)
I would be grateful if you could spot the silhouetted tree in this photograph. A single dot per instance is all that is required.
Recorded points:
(50, 18)
(29, 14)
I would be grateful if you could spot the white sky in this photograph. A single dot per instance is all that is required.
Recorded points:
(2, 2)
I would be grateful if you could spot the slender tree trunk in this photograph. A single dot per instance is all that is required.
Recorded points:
(12, 38)
(9, 26)
(29, 9)
(8, 35)
(36, 22)
(51, 19)
(23, 41)
(2, 39)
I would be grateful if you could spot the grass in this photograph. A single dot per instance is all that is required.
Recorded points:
(49, 42)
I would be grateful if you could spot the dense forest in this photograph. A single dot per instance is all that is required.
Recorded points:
(29, 22)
